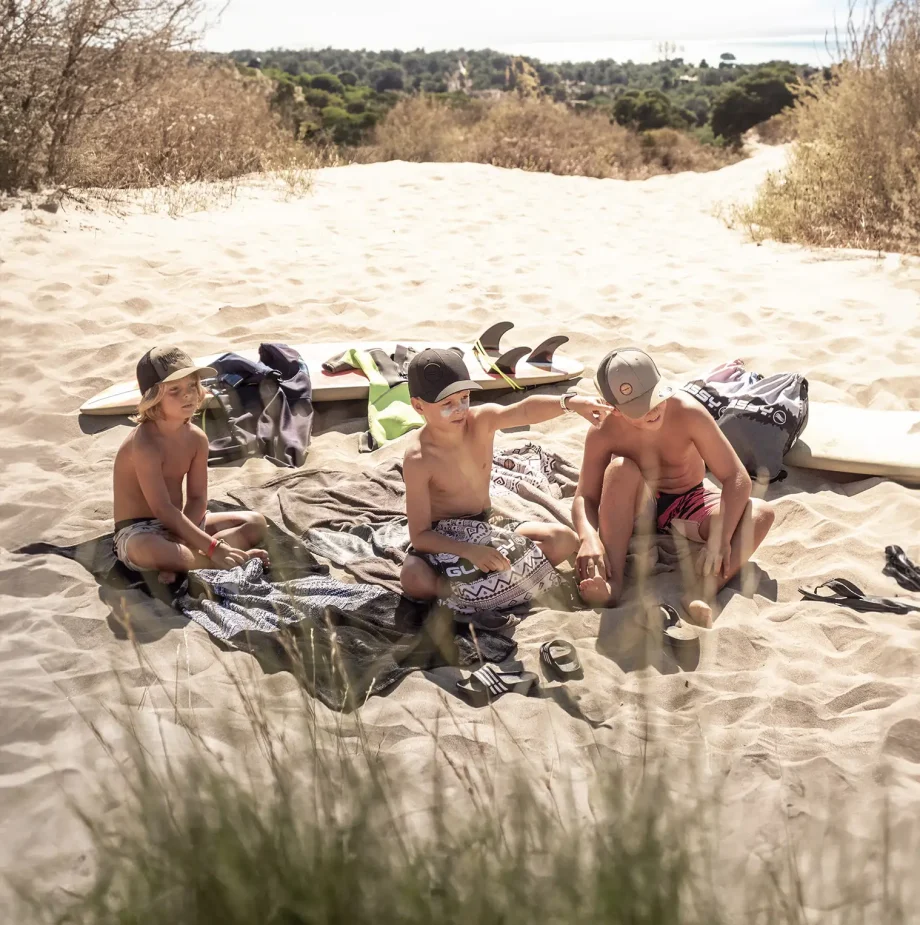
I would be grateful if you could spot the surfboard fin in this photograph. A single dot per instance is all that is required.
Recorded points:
(543, 354)
(509, 359)
(491, 339)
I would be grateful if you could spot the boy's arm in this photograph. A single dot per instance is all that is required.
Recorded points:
(723, 462)
(418, 511)
(539, 408)
(591, 558)
(148, 465)
(196, 482)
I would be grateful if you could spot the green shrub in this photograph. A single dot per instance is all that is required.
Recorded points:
(650, 109)
(328, 82)
(320, 99)
(387, 77)
(348, 78)
(355, 106)
(751, 100)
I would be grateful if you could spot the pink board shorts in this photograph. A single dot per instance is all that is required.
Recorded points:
(685, 512)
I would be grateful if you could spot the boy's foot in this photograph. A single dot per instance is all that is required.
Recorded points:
(698, 612)
(259, 554)
(595, 591)
(166, 578)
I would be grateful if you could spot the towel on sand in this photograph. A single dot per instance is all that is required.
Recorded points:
(354, 639)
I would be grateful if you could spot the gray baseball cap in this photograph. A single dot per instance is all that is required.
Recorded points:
(629, 380)
(166, 364)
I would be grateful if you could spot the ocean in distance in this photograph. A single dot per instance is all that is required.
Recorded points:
(817, 50)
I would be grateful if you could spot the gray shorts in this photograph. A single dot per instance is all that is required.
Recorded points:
(136, 526)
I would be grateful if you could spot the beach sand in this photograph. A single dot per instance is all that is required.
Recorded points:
(802, 714)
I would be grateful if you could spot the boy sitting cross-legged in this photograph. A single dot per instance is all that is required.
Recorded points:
(646, 463)
(154, 528)
(448, 465)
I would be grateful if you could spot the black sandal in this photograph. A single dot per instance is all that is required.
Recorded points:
(846, 594)
(490, 682)
(560, 659)
(901, 569)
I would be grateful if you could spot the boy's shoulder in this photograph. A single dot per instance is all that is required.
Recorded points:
(415, 451)
(684, 408)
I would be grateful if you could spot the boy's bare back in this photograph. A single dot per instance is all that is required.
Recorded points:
(458, 476)
(146, 446)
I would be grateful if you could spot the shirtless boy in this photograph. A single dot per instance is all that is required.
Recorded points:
(154, 529)
(447, 467)
(654, 448)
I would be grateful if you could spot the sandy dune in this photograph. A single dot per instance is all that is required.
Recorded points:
(796, 709)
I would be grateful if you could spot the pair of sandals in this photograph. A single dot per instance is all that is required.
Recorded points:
(845, 594)
(490, 682)
(560, 661)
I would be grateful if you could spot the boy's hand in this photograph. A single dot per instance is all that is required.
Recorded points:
(714, 560)
(590, 561)
(227, 557)
(593, 410)
(486, 559)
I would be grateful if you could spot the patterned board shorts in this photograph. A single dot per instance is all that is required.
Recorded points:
(137, 526)
(684, 513)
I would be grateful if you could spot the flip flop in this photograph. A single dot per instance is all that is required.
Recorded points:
(681, 637)
(901, 569)
(490, 682)
(846, 594)
(559, 658)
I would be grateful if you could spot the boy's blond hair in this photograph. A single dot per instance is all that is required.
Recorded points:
(148, 408)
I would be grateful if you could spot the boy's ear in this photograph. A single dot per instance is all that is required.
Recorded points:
(417, 405)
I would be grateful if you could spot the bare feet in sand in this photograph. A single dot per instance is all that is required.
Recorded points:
(596, 591)
(698, 612)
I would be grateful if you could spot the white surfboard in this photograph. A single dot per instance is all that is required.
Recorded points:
(839, 438)
(525, 366)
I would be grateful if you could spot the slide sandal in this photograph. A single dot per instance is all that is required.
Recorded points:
(490, 682)
(676, 632)
(846, 594)
(901, 569)
(560, 659)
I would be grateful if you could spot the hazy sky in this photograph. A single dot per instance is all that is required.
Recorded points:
(434, 24)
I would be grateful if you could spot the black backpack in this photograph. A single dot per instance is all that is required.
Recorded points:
(762, 420)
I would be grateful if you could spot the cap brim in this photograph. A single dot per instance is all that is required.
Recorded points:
(640, 407)
(464, 385)
(188, 371)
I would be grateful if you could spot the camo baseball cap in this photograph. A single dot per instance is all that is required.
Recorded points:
(166, 364)
(629, 380)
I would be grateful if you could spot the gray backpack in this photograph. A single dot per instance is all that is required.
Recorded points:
(762, 420)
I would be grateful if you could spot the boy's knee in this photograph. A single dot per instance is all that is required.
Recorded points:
(256, 525)
(417, 580)
(621, 471)
(764, 513)
(560, 545)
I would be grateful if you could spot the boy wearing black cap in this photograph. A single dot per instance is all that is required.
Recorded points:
(154, 529)
(654, 449)
(448, 464)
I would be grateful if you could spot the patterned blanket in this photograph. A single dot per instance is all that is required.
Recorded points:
(474, 591)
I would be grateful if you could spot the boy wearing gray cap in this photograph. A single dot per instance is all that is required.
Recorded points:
(448, 465)
(648, 460)
(158, 526)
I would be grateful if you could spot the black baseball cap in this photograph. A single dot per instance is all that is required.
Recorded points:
(166, 364)
(436, 374)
